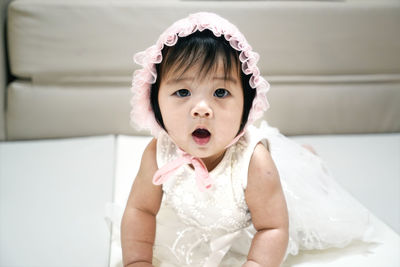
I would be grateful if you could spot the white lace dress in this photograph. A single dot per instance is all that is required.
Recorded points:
(214, 228)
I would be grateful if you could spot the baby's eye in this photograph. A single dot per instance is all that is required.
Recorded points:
(182, 93)
(221, 93)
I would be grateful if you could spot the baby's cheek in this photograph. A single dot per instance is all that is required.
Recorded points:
(235, 118)
(172, 127)
(230, 126)
(172, 118)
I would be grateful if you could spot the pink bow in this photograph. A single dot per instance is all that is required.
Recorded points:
(203, 178)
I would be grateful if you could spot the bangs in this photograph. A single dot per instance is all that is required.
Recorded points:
(203, 50)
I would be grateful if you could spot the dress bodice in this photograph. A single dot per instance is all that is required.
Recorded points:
(214, 228)
(220, 208)
(209, 221)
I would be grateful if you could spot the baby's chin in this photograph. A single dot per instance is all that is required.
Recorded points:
(203, 155)
(208, 154)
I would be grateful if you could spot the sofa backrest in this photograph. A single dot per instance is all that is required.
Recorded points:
(334, 66)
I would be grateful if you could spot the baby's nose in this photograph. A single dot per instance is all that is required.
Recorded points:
(201, 110)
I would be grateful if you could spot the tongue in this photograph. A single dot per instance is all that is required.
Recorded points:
(201, 133)
(201, 136)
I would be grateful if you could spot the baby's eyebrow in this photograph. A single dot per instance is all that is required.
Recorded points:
(226, 79)
(182, 79)
(179, 79)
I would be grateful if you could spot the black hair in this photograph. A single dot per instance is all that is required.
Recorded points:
(204, 48)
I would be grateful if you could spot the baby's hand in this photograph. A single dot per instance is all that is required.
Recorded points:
(251, 264)
(140, 264)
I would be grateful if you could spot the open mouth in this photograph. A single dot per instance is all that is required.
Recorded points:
(201, 136)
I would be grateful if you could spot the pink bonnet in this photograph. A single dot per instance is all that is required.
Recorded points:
(142, 115)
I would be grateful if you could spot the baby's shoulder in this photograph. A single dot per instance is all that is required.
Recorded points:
(262, 169)
(260, 151)
(149, 155)
(151, 148)
(260, 158)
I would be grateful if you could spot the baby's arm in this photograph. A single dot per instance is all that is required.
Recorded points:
(139, 219)
(267, 206)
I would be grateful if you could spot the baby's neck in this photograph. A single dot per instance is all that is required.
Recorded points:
(213, 161)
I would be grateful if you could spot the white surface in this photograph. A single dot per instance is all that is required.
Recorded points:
(368, 166)
(52, 198)
(358, 169)
(384, 252)
(53, 193)
(128, 157)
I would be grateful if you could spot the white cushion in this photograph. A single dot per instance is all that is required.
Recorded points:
(52, 199)
(367, 165)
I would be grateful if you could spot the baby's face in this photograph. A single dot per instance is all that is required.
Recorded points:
(202, 115)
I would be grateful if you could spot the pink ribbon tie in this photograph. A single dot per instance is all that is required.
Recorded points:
(203, 178)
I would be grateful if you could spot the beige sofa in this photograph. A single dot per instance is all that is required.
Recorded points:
(334, 66)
